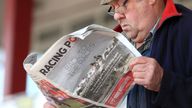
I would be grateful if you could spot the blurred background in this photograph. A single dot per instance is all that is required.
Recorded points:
(33, 26)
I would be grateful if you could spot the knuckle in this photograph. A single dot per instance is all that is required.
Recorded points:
(148, 82)
(153, 60)
(151, 67)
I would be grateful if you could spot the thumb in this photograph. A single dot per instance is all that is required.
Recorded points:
(130, 63)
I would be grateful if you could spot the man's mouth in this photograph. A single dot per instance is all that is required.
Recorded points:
(125, 27)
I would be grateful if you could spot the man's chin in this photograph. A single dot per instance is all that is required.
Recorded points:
(130, 37)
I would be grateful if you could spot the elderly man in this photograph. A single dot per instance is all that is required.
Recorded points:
(161, 31)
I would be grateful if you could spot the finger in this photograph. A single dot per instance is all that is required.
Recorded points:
(142, 83)
(139, 75)
(139, 81)
(139, 68)
(146, 87)
(129, 63)
(137, 60)
(48, 105)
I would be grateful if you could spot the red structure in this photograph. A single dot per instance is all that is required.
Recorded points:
(17, 31)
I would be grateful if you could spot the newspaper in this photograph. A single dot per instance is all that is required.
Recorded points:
(85, 69)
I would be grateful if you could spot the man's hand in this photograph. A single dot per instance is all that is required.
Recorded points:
(48, 105)
(146, 72)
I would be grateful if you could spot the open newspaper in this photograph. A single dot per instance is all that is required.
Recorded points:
(85, 69)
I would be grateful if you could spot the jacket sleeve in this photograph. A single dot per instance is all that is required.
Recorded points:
(176, 84)
(175, 92)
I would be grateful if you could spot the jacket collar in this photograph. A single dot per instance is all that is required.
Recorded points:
(169, 11)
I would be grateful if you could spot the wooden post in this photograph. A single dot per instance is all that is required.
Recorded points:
(16, 33)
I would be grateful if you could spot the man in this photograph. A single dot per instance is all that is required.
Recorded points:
(161, 31)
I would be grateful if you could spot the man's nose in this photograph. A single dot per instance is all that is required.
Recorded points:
(117, 16)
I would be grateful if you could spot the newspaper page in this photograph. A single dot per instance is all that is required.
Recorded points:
(85, 69)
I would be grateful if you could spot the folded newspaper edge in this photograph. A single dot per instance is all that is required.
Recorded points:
(103, 81)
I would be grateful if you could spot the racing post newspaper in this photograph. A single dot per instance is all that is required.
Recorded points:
(85, 69)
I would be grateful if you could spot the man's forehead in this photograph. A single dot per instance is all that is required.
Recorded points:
(106, 2)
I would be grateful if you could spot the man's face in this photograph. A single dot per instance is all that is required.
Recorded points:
(135, 19)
